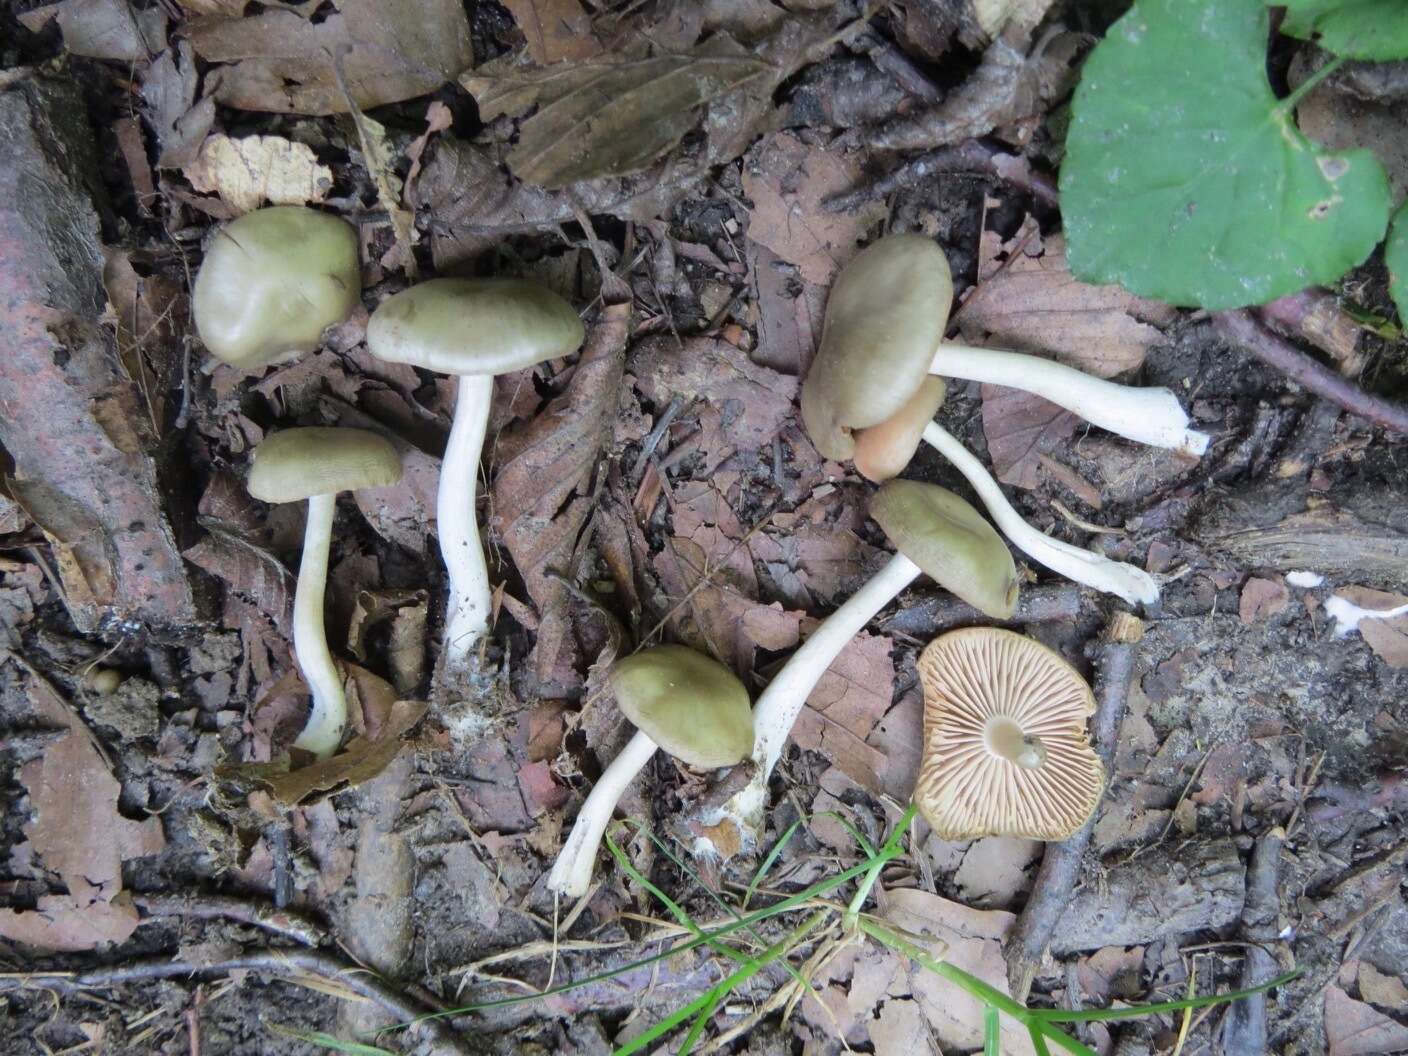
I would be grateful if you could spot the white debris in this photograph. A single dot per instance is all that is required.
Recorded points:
(1303, 579)
(1347, 615)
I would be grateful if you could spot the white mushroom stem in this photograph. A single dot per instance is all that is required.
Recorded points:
(1132, 584)
(467, 618)
(777, 709)
(572, 872)
(323, 731)
(1004, 737)
(1151, 416)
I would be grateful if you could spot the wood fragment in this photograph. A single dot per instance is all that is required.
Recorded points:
(1061, 864)
(288, 923)
(1315, 315)
(1055, 603)
(1244, 1030)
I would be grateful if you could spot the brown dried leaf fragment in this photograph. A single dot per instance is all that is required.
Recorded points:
(249, 569)
(1020, 428)
(390, 50)
(248, 172)
(556, 30)
(103, 29)
(542, 488)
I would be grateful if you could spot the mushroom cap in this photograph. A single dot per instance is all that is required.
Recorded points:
(950, 541)
(272, 282)
(691, 706)
(883, 450)
(884, 320)
(980, 682)
(296, 464)
(474, 326)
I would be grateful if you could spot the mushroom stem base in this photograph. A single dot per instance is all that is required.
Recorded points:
(1132, 584)
(323, 731)
(467, 615)
(1151, 416)
(777, 709)
(572, 872)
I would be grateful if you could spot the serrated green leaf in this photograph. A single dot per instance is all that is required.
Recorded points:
(1185, 178)
(1396, 257)
(1358, 29)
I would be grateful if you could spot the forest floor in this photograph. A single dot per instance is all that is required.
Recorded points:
(658, 487)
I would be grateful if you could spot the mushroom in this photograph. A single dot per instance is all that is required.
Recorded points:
(935, 532)
(1006, 751)
(680, 700)
(315, 464)
(883, 332)
(850, 414)
(474, 329)
(272, 282)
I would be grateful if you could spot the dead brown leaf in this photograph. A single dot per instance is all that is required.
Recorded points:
(1262, 599)
(1034, 304)
(390, 50)
(64, 924)
(103, 29)
(1020, 428)
(169, 92)
(542, 487)
(852, 696)
(407, 611)
(361, 760)
(253, 170)
(1386, 991)
(1387, 637)
(1355, 1029)
(249, 569)
(996, 870)
(787, 181)
(556, 30)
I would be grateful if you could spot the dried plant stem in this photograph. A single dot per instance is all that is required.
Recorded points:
(1061, 864)
(1243, 330)
(1244, 1030)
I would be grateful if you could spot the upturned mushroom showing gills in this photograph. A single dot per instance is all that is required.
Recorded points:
(315, 464)
(473, 329)
(272, 282)
(935, 532)
(691, 706)
(849, 414)
(1006, 751)
(883, 332)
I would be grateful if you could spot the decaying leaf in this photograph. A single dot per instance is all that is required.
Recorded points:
(406, 610)
(362, 759)
(852, 696)
(281, 61)
(1262, 598)
(78, 833)
(1020, 428)
(996, 870)
(169, 91)
(541, 490)
(103, 29)
(787, 181)
(149, 312)
(249, 569)
(380, 159)
(248, 172)
(1355, 1029)
(1034, 304)
(556, 30)
(1388, 637)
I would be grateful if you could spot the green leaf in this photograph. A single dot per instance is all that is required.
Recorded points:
(1396, 257)
(327, 1041)
(1359, 29)
(1185, 178)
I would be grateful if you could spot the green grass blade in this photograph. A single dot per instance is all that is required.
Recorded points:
(992, 1033)
(1101, 1015)
(1038, 1042)
(697, 1027)
(327, 1041)
(770, 860)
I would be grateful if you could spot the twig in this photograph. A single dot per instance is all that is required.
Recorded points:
(285, 922)
(1055, 603)
(973, 156)
(280, 962)
(1239, 327)
(1315, 315)
(1061, 864)
(1244, 1029)
(653, 438)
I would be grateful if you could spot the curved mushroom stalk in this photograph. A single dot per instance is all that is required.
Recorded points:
(1132, 584)
(467, 615)
(1150, 416)
(328, 719)
(777, 709)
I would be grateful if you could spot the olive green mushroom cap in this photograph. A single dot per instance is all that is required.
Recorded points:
(950, 541)
(296, 464)
(691, 706)
(884, 320)
(474, 326)
(272, 282)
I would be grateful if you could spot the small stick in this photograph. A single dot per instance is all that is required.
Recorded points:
(973, 156)
(1314, 314)
(1244, 1030)
(1054, 603)
(1242, 329)
(287, 923)
(1061, 864)
(281, 962)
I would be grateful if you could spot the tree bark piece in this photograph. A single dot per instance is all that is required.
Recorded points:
(1061, 864)
(1242, 329)
(71, 418)
(1315, 315)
